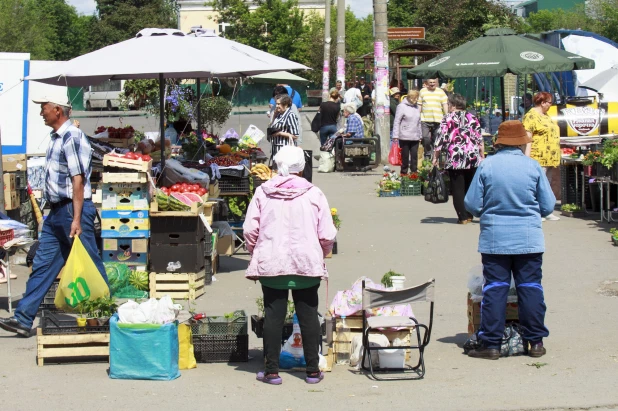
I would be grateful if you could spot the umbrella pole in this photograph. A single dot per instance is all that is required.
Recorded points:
(502, 99)
(162, 119)
(199, 110)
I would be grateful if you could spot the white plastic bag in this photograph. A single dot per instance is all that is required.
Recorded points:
(292, 354)
(476, 282)
(166, 311)
(375, 340)
(153, 311)
(326, 163)
(252, 136)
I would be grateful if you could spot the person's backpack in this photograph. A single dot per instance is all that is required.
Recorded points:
(316, 123)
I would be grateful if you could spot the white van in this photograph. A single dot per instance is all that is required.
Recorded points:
(104, 95)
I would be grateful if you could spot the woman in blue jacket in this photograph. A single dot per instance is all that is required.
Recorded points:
(510, 193)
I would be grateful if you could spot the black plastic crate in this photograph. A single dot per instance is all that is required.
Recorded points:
(50, 296)
(208, 265)
(54, 323)
(257, 182)
(234, 185)
(220, 325)
(190, 256)
(232, 172)
(208, 242)
(257, 326)
(221, 348)
(179, 230)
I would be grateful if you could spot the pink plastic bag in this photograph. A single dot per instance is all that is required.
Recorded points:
(394, 157)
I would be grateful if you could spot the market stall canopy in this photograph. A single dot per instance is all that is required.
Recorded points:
(606, 83)
(278, 77)
(169, 52)
(497, 52)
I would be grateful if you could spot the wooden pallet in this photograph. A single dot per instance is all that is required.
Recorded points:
(182, 286)
(138, 177)
(71, 345)
(137, 165)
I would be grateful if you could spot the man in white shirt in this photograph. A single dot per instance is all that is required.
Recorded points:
(353, 96)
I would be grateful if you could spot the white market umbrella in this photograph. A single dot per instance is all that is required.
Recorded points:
(278, 77)
(168, 52)
(161, 54)
(606, 83)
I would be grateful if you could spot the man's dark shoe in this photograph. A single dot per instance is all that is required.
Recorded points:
(537, 350)
(14, 326)
(485, 353)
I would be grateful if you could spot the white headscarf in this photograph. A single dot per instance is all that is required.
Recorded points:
(290, 160)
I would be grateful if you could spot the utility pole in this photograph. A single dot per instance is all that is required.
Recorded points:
(327, 39)
(341, 42)
(382, 109)
(1, 174)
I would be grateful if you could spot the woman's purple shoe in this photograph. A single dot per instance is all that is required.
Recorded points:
(273, 379)
(314, 378)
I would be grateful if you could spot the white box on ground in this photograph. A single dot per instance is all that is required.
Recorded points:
(395, 358)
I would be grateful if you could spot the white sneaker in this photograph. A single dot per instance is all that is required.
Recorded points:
(552, 217)
(542, 218)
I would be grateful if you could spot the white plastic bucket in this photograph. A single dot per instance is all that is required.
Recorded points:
(398, 281)
(395, 358)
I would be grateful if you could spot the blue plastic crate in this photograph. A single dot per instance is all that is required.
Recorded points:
(392, 193)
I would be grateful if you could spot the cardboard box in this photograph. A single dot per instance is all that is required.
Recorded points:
(10, 181)
(126, 196)
(11, 200)
(474, 314)
(14, 162)
(225, 245)
(125, 224)
(128, 251)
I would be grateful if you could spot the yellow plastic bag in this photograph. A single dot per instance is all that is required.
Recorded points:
(81, 279)
(186, 356)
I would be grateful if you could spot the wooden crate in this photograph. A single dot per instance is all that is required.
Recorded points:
(118, 142)
(71, 345)
(183, 286)
(138, 177)
(206, 208)
(137, 165)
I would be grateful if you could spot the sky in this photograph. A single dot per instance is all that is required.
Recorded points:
(361, 8)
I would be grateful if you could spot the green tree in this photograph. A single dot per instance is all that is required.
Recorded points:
(24, 29)
(546, 20)
(450, 23)
(120, 20)
(605, 13)
(67, 31)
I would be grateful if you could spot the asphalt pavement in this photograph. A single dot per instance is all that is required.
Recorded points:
(410, 236)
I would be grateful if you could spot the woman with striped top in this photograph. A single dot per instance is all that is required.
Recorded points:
(285, 124)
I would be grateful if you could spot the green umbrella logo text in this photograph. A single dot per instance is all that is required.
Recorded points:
(439, 61)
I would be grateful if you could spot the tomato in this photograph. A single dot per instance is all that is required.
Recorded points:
(175, 188)
(130, 156)
(146, 157)
(165, 190)
(195, 187)
(201, 191)
(184, 190)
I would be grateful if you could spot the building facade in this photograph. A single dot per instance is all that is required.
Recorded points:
(524, 8)
(198, 13)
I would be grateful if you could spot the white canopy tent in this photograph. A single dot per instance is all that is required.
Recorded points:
(203, 56)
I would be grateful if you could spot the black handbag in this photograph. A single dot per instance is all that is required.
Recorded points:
(436, 191)
(308, 170)
(316, 123)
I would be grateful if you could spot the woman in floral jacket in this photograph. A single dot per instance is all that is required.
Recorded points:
(461, 140)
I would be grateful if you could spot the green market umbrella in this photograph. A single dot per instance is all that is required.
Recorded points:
(497, 52)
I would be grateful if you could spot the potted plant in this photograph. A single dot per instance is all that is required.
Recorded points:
(257, 321)
(107, 308)
(411, 184)
(610, 158)
(93, 313)
(393, 280)
(571, 210)
(390, 185)
(614, 233)
(82, 309)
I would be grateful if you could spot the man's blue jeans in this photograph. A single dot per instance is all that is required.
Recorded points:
(526, 270)
(54, 248)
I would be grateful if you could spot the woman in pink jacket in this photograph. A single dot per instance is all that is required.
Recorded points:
(288, 231)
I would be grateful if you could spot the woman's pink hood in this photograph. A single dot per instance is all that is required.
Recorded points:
(286, 187)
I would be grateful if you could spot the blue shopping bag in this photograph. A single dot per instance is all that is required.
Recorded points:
(143, 351)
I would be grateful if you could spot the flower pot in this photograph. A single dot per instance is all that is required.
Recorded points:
(92, 322)
(81, 322)
(571, 213)
(397, 281)
(615, 240)
(102, 321)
